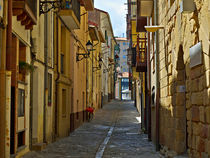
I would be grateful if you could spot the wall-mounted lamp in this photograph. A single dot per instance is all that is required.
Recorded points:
(153, 28)
(99, 67)
(89, 47)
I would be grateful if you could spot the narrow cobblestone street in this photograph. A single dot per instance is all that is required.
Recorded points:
(114, 132)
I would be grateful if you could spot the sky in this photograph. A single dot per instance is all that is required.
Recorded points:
(117, 11)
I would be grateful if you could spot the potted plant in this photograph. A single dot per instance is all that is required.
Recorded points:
(25, 68)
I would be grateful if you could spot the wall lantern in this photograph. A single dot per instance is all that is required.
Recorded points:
(99, 67)
(89, 47)
(153, 28)
(46, 6)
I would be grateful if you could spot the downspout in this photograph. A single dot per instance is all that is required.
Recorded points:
(8, 62)
(9, 34)
(45, 73)
(56, 80)
(157, 78)
(31, 93)
(92, 69)
(92, 77)
(149, 83)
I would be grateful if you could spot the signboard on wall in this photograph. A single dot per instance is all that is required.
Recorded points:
(1, 8)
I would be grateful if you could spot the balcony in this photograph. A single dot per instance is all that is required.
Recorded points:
(144, 8)
(70, 15)
(141, 57)
(141, 22)
(88, 4)
(133, 56)
(26, 12)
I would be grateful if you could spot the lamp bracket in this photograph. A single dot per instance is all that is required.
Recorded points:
(85, 55)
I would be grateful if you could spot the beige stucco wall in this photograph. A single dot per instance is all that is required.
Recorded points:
(107, 51)
(23, 36)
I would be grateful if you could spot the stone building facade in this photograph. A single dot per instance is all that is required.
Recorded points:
(178, 57)
(184, 86)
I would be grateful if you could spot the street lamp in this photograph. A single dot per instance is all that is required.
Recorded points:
(100, 63)
(153, 28)
(89, 47)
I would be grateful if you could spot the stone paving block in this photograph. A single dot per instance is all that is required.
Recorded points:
(126, 140)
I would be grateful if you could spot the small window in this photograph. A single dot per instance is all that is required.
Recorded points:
(21, 103)
(49, 89)
(64, 102)
(124, 56)
(106, 37)
(77, 114)
(62, 63)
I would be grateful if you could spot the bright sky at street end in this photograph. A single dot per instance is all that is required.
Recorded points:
(117, 11)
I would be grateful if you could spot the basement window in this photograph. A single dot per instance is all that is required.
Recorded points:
(21, 139)
(64, 102)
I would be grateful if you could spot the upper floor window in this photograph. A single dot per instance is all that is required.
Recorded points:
(62, 63)
(21, 102)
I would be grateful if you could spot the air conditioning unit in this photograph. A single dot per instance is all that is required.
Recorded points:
(187, 6)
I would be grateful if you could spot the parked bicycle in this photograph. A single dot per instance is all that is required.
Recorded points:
(90, 111)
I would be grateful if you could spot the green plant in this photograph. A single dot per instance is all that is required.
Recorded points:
(25, 67)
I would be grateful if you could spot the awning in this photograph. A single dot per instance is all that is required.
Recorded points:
(144, 8)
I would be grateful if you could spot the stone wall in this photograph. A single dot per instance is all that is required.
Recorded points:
(184, 91)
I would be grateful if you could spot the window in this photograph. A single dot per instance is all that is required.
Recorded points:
(62, 63)
(77, 114)
(106, 37)
(124, 56)
(49, 89)
(21, 102)
(64, 102)
(124, 43)
(21, 139)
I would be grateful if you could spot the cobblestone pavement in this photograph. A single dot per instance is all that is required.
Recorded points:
(113, 133)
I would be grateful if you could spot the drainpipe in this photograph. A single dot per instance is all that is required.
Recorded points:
(149, 83)
(9, 34)
(92, 76)
(31, 93)
(45, 73)
(8, 67)
(157, 77)
(56, 80)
